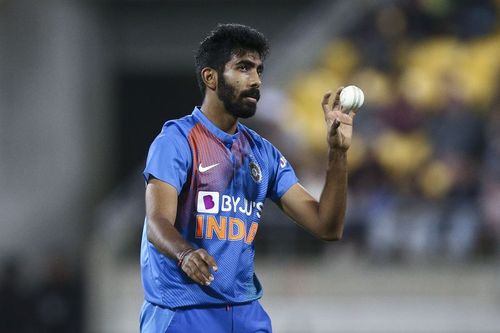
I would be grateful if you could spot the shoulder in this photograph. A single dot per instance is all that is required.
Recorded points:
(175, 132)
(177, 127)
(173, 136)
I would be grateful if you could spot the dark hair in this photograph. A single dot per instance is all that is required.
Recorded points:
(223, 42)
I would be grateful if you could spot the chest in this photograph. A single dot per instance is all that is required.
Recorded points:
(236, 170)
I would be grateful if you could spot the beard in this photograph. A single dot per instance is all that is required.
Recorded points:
(236, 104)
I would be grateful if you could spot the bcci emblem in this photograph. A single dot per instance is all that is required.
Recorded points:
(255, 172)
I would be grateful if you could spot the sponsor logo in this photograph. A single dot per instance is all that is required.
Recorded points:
(203, 169)
(224, 228)
(208, 202)
(209, 226)
(232, 204)
(255, 172)
(213, 203)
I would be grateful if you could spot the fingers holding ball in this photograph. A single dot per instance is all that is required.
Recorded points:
(351, 98)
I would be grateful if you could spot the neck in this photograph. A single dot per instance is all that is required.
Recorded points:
(214, 110)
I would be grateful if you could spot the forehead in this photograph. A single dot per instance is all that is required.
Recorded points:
(252, 56)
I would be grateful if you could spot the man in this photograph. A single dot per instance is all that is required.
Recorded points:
(207, 178)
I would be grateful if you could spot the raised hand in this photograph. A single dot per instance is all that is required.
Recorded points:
(197, 265)
(338, 122)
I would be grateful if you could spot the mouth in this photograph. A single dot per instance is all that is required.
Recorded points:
(251, 95)
(251, 99)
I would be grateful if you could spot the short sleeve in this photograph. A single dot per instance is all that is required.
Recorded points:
(169, 157)
(282, 175)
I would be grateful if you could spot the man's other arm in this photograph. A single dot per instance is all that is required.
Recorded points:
(325, 219)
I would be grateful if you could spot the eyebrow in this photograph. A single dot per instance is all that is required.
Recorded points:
(250, 64)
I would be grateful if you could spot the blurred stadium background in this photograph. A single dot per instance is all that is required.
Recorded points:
(86, 85)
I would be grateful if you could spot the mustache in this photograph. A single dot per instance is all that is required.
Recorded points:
(253, 92)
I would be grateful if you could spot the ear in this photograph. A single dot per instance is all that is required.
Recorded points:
(209, 77)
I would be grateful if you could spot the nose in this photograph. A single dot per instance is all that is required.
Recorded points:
(255, 81)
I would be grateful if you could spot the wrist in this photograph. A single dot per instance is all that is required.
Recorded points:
(337, 154)
(182, 255)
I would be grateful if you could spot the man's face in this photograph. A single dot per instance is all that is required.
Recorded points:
(238, 87)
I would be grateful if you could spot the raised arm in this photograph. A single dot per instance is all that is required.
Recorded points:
(161, 210)
(325, 219)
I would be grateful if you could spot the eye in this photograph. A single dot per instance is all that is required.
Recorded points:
(243, 67)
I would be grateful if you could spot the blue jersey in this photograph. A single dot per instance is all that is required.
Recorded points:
(222, 181)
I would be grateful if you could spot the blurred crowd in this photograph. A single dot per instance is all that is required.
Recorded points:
(50, 302)
(425, 161)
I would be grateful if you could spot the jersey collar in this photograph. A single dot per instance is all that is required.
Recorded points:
(223, 136)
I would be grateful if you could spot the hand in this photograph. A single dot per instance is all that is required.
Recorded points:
(197, 264)
(338, 122)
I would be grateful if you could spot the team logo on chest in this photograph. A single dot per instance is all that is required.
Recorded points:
(255, 172)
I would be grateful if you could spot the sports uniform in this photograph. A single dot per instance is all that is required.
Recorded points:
(222, 181)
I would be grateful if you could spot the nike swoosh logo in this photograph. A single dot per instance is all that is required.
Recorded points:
(204, 169)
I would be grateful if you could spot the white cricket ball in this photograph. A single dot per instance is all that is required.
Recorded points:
(351, 98)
